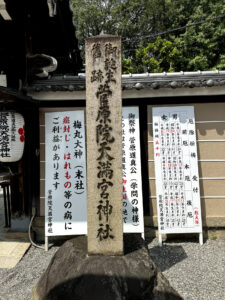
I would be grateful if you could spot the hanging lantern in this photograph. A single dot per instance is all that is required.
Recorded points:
(12, 136)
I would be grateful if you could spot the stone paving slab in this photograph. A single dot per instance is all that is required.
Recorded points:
(11, 249)
(11, 253)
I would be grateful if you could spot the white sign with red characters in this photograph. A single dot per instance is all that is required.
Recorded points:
(65, 173)
(131, 165)
(12, 136)
(176, 170)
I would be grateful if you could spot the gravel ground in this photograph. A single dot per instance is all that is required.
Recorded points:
(196, 272)
(17, 283)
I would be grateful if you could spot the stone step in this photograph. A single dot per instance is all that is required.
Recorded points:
(15, 235)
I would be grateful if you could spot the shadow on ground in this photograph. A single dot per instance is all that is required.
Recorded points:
(167, 256)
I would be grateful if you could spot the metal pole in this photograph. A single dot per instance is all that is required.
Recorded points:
(9, 205)
(5, 206)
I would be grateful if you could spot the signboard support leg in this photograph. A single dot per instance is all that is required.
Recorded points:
(201, 238)
(143, 235)
(160, 240)
(46, 243)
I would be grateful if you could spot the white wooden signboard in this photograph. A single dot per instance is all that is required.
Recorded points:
(132, 183)
(65, 174)
(176, 171)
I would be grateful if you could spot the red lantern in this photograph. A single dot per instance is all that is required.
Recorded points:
(12, 136)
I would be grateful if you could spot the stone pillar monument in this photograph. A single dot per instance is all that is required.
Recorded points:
(104, 145)
(72, 273)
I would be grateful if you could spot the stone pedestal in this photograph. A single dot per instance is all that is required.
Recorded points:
(72, 274)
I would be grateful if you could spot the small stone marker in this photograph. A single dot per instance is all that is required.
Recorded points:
(104, 145)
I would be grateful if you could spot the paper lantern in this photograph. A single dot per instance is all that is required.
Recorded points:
(12, 136)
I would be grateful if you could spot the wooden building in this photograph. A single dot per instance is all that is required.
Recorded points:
(24, 174)
(36, 37)
(203, 90)
(37, 41)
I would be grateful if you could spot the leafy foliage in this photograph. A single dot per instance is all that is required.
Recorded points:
(158, 56)
(203, 44)
(198, 47)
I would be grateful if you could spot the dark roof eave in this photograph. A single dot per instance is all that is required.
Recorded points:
(136, 81)
(9, 94)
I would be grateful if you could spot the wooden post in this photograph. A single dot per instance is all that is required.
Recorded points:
(104, 145)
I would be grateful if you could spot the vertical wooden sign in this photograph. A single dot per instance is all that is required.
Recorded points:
(104, 145)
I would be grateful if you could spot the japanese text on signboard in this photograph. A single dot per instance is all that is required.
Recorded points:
(65, 173)
(176, 170)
